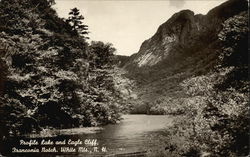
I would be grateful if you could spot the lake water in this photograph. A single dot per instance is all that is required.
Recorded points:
(134, 133)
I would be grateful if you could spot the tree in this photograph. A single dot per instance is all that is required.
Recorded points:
(47, 80)
(102, 54)
(44, 68)
(234, 40)
(51, 2)
(216, 119)
(75, 20)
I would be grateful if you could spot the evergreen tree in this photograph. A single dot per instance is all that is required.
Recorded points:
(49, 74)
(75, 20)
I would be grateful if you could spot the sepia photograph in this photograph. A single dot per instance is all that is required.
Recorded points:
(124, 78)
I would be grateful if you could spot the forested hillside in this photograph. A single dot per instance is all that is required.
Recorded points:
(196, 67)
(185, 46)
(50, 75)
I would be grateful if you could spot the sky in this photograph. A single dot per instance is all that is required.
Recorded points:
(127, 23)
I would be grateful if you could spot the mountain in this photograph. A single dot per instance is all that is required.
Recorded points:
(120, 60)
(196, 67)
(185, 46)
(184, 34)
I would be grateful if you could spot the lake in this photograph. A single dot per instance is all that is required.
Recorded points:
(134, 133)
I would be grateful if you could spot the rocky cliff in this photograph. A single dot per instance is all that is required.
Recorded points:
(184, 32)
(185, 46)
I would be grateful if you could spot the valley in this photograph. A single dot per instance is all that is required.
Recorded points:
(184, 93)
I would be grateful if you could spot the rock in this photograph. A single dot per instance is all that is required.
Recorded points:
(185, 46)
(184, 30)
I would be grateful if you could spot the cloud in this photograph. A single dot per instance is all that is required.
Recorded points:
(177, 3)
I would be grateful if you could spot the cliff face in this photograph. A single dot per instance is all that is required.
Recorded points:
(184, 32)
(171, 34)
(185, 46)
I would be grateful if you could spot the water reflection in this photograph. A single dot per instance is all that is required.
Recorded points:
(134, 133)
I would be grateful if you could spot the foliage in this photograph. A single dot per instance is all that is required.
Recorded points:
(75, 20)
(54, 77)
(216, 119)
(103, 93)
(101, 54)
(234, 37)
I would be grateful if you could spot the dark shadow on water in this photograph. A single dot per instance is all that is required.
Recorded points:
(135, 133)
